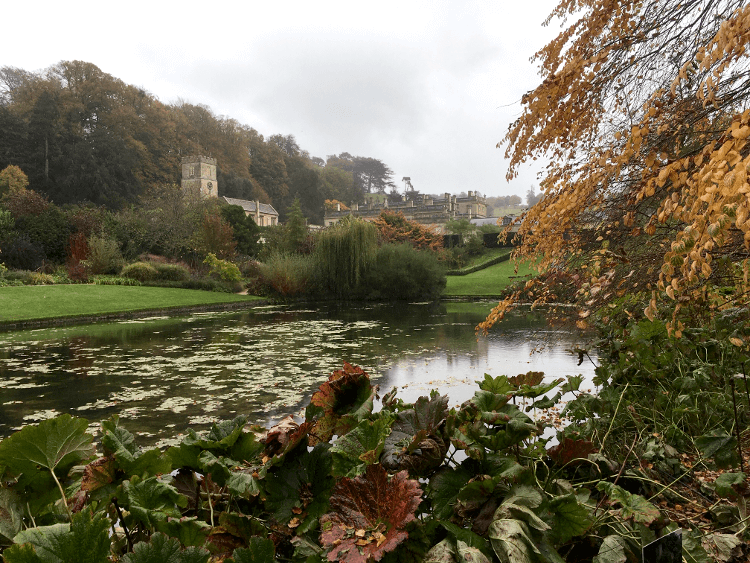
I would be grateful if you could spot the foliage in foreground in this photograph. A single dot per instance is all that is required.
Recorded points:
(642, 112)
(410, 482)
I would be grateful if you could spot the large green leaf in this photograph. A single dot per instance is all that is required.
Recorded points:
(444, 487)
(243, 484)
(633, 506)
(468, 538)
(221, 436)
(724, 484)
(259, 550)
(120, 443)
(163, 549)
(498, 385)
(612, 550)
(55, 444)
(188, 530)
(151, 501)
(566, 517)
(300, 487)
(510, 540)
(11, 515)
(360, 447)
(720, 446)
(84, 540)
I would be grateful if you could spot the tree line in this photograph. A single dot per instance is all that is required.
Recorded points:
(82, 135)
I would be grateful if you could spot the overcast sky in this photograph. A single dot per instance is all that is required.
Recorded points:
(429, 88)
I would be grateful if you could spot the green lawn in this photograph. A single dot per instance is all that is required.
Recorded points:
(25, 303)
(486, 283)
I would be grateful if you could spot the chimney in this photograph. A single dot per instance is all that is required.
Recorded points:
(338, 207)
(257, 212)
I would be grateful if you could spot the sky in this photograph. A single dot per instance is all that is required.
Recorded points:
(429, 88)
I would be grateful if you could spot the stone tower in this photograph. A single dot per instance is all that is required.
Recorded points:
(199, 176)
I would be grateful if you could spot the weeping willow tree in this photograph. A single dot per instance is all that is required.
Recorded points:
(343, 253)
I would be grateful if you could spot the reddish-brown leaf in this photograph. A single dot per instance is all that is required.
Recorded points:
(285, 436)
(571, 451)
(345, 398)
(373, 502)
(529, 378)
(98, 473)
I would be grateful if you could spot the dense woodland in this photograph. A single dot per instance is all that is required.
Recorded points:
(82, 135)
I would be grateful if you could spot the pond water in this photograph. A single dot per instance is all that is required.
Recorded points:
(163, 375)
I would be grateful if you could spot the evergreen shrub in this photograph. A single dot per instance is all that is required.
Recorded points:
(401, 272)
(171, 272)
(140, 271)
(104, 255)
(20, 253)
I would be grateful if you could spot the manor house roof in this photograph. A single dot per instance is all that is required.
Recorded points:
(249, 206)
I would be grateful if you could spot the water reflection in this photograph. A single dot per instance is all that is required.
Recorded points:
(163, 375)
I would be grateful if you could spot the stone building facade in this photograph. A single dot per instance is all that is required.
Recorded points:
(422, 208)
(199, 176)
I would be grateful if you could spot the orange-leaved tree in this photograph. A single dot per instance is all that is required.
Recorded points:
(394, 227)
(643, 116)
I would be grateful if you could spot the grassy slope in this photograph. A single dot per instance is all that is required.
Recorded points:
(25, 303)
(486, 283)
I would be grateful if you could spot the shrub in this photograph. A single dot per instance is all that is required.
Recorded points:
(222, 269)
(171, 272)
(140, 271)
(104, 255)
(289, 275)
(36, 278)
(78, 250)
(114, 280)
(401, 272)
(19, 253)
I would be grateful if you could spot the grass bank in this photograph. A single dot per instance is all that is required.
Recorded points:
(488, 282)
(41, 302)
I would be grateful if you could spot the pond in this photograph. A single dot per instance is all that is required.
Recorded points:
(163, 375)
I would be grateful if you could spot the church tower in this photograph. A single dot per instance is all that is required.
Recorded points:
(199, 176)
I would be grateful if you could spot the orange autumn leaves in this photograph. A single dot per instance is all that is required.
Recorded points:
(643, 116)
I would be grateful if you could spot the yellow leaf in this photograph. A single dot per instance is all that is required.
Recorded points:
(736, 341)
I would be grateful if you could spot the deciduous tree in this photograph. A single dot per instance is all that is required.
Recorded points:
(643, 115)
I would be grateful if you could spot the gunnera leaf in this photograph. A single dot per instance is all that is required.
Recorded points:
(163, 549)
(259, 550)
(369, 515)
(11, 515)
(119, 443)
(151, 501)
(499, 385)
(530, 379)
(360, 447)
(84, 540)
(99, 473)
(54, 444)
(418, 441)
(340, 403)
(299, 488)
(285, 436)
